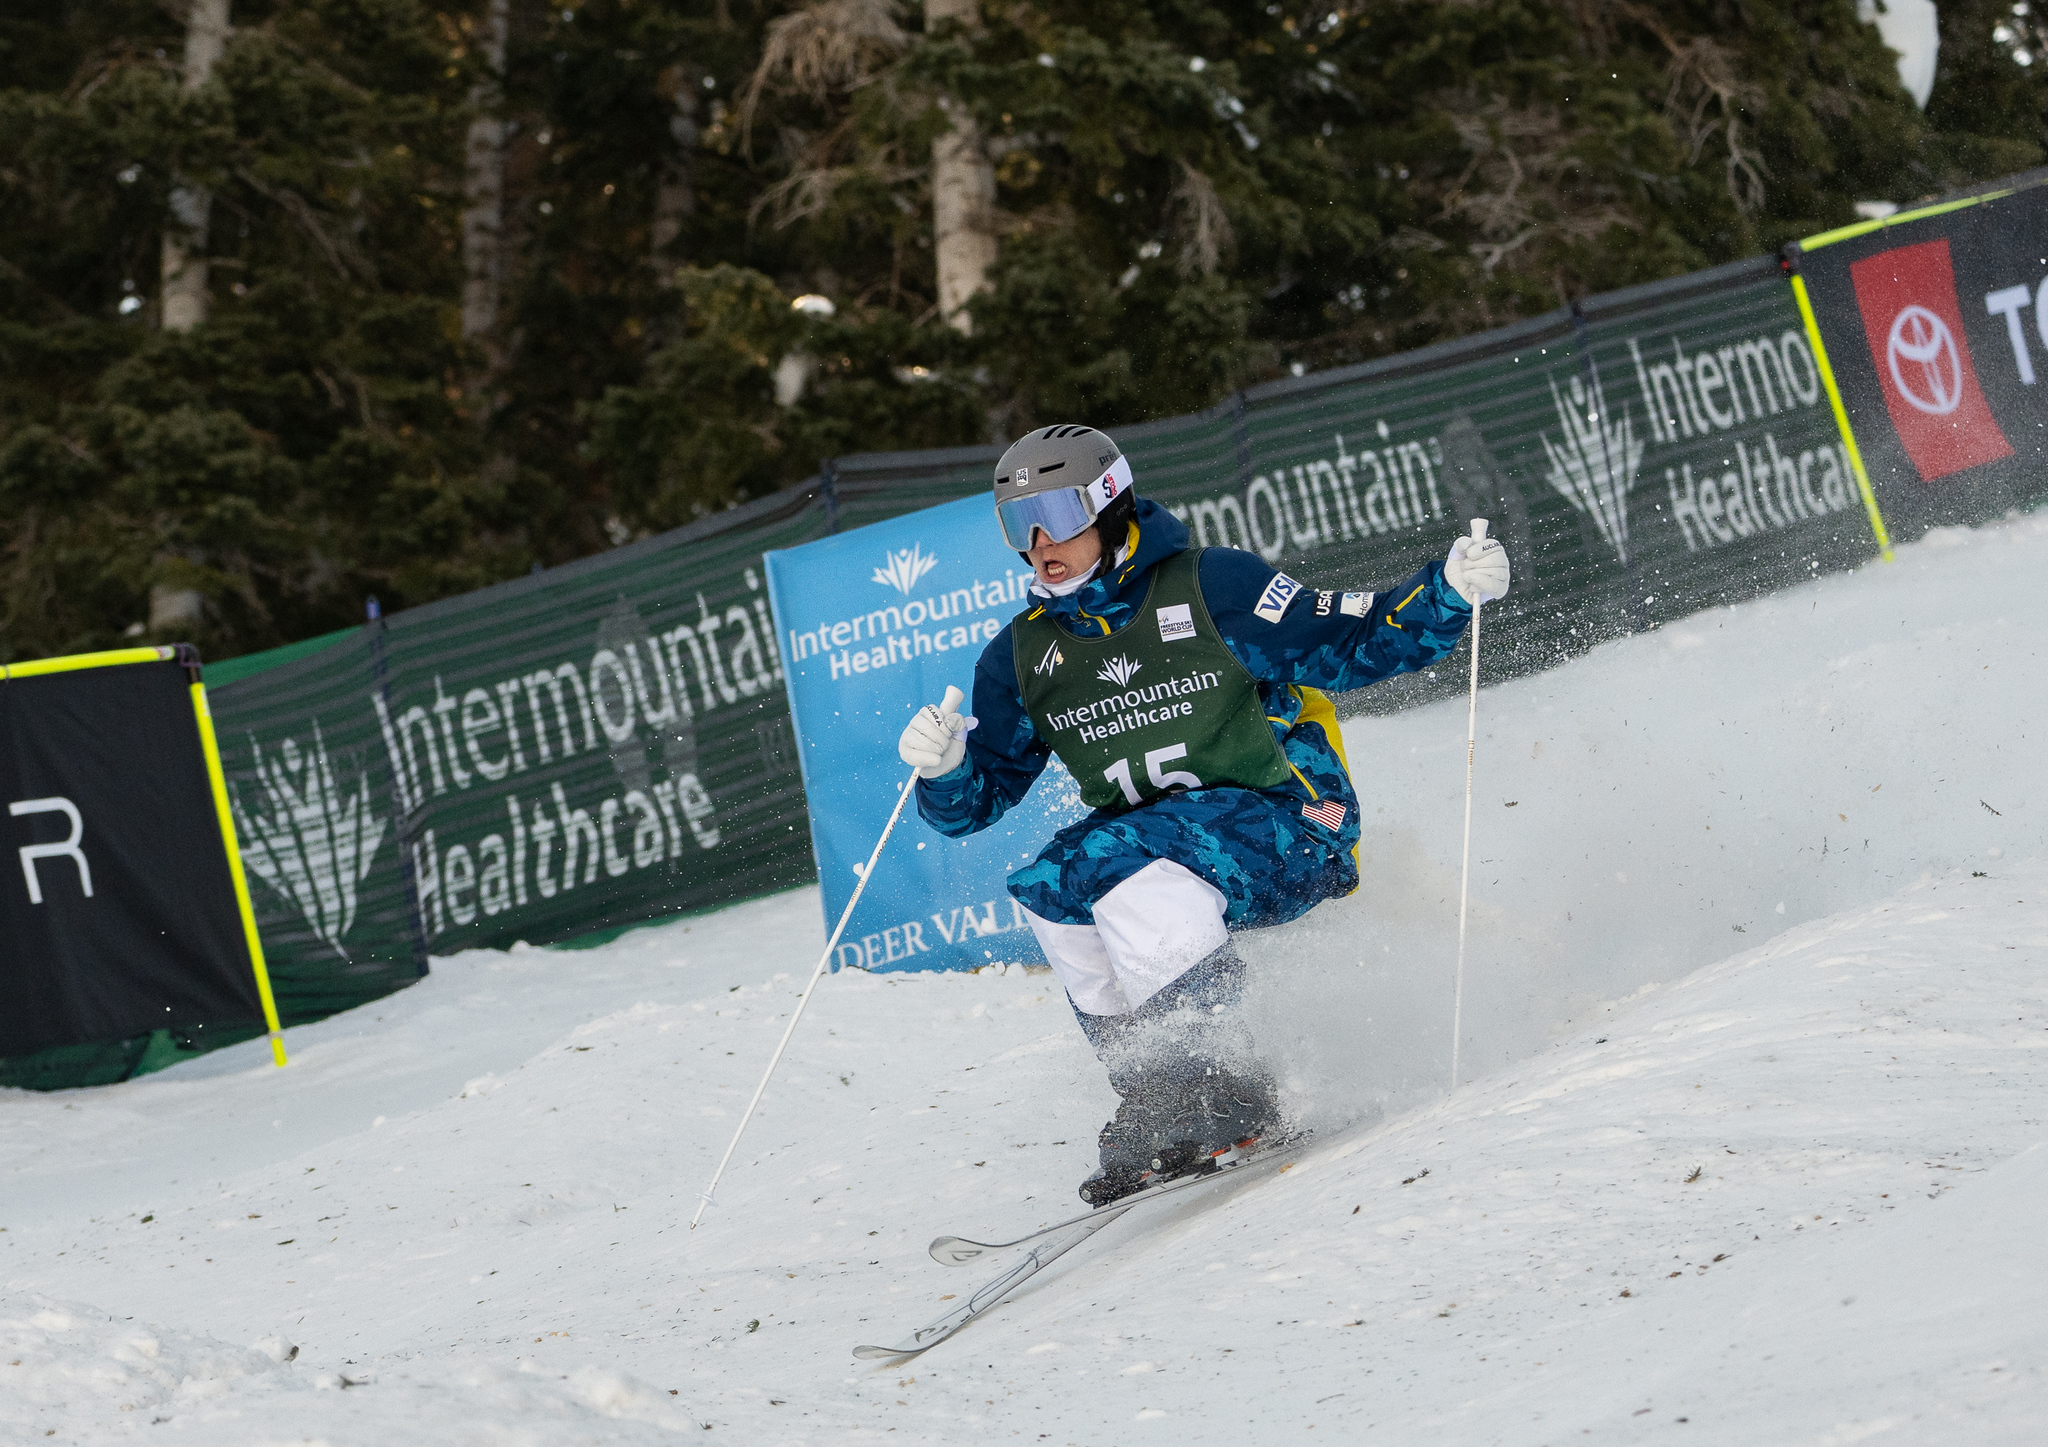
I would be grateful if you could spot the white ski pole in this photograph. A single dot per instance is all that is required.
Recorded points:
(954, 697)
(1465, 879)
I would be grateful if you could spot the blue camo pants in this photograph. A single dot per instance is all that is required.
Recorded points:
(1271, 863)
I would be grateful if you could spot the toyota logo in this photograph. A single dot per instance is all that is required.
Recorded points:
(1925, 365)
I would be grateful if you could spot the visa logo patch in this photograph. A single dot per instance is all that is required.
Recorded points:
(1279, 593)
(1176, 622)
(1355, 605)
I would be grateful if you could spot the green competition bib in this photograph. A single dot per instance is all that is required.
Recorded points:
(1159, 706)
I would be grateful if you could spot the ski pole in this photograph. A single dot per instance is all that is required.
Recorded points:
(866, 872)
(1465, 879)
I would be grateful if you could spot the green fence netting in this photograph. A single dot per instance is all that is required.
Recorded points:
(609, 742)
(594, 746)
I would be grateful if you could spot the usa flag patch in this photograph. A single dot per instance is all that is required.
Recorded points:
(1327, 812)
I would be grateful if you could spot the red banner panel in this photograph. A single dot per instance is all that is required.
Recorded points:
(1908, 299)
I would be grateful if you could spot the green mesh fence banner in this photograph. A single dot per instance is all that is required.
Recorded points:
(311, 789)
(1648, 454)
(592, 747)
(610, 742)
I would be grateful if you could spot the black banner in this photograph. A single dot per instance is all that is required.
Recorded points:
(118, 914)
(1936, 324)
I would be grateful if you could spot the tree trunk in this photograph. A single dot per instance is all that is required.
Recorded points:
(674, 198)
(963, 192)
(184, 244)
(483, 184)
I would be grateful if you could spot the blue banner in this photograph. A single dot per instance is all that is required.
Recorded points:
(873, 625)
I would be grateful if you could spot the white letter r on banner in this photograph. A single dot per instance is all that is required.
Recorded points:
(30, 853)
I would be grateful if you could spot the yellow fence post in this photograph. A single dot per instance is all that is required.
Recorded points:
(1827, 378)
(218, 778)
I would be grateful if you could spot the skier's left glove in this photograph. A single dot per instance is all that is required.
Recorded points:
(1478, 569)
(936, 738)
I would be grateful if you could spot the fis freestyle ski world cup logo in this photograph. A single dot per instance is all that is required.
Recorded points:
(1915, 328)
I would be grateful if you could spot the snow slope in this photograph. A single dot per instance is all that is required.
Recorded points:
(1811, 1165)
(1653, 806)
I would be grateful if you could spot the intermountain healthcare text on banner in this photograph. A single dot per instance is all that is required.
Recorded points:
(873, 624)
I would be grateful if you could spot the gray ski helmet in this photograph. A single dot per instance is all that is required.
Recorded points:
(1062, 480)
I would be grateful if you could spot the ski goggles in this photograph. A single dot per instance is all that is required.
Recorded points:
(1061, 513)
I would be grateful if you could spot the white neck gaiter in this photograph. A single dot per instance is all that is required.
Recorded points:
(1066, 589)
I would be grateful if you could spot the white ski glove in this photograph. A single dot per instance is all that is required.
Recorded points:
(1478, 566)
(936, 739)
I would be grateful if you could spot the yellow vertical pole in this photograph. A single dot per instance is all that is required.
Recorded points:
(218, 778)
(1827, 379)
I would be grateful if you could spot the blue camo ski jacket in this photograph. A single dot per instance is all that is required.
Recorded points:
(1405, 628)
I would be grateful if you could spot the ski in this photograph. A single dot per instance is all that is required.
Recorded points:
(959, 1251)
(984, 1300)
(1053, 1245)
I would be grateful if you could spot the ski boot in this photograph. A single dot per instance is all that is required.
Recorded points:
(1189, 1092)
(1151, 1101)
(1228, 1112)
(1113, 1181)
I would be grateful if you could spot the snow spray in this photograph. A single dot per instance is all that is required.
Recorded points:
(1465, 877)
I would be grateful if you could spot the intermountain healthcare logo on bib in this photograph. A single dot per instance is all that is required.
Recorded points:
(1119, 671)
(1908, 299)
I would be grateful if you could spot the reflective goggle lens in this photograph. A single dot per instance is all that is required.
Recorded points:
(1059, 515)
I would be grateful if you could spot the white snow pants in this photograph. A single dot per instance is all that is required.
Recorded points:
(1148, 931)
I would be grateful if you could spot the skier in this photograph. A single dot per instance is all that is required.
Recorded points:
(1181, 689)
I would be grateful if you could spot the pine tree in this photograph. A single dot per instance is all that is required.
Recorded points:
(522, 279)
(276, 433)
(1990, 96)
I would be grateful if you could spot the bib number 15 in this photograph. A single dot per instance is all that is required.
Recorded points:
(1119, 773)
